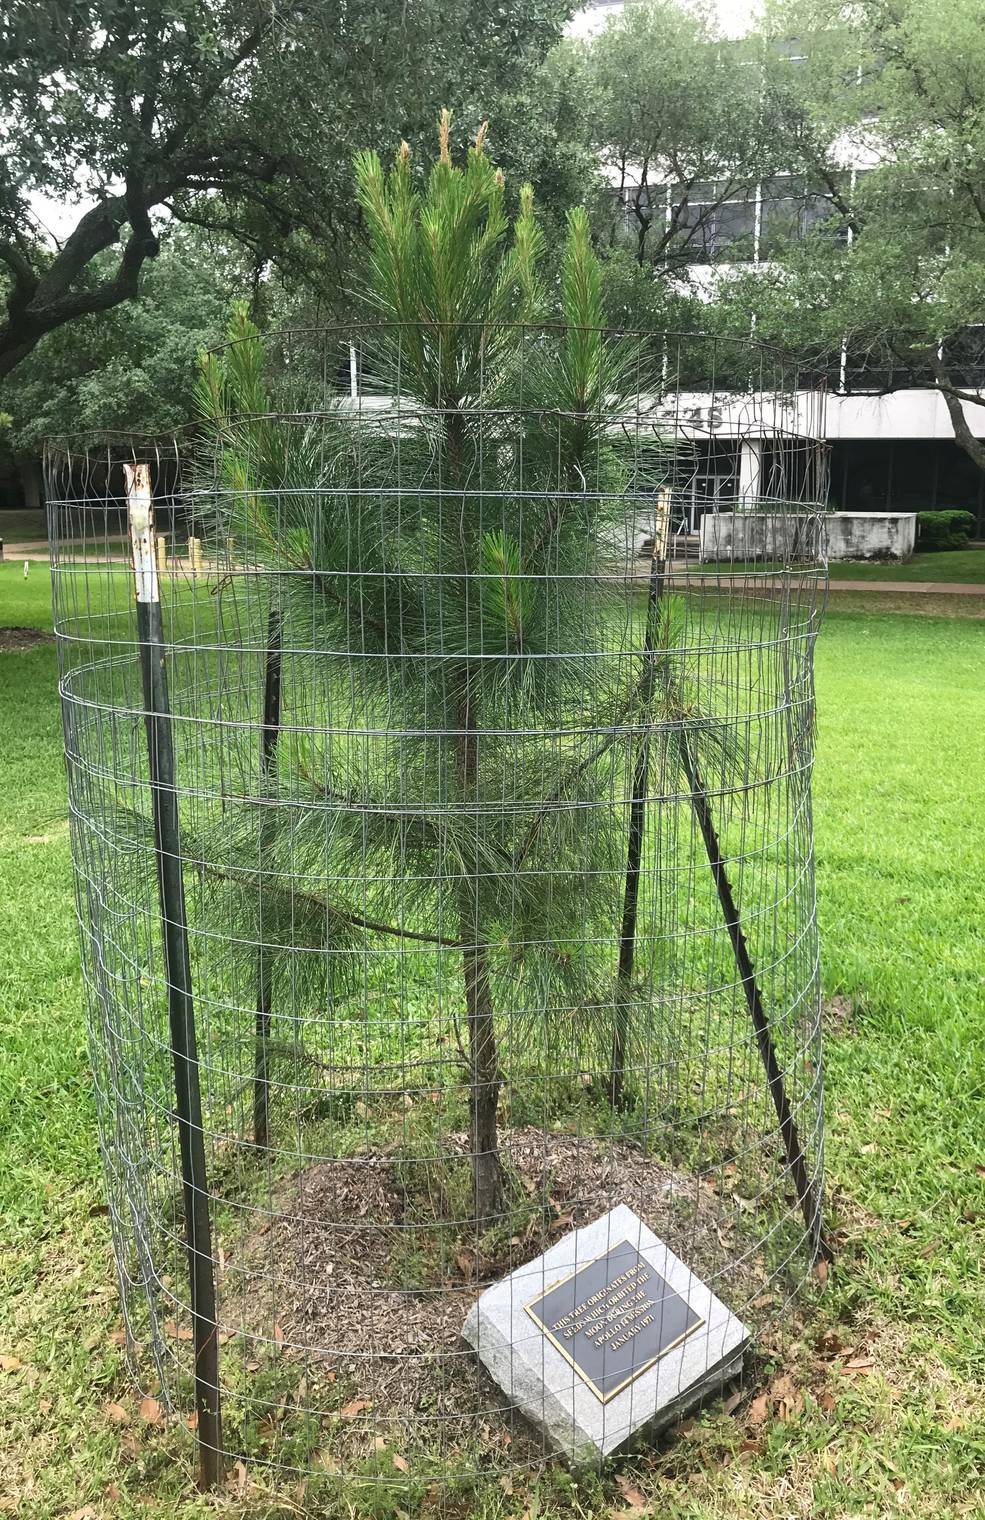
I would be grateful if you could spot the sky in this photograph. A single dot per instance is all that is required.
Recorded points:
(735, 17)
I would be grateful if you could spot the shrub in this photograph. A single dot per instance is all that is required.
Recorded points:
(950, 529)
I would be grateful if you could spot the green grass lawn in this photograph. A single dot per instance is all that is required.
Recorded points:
(962, 565)
(889, 1376)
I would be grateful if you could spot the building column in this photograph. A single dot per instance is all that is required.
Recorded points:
(750, 473)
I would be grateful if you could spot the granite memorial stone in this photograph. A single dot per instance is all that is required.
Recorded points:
(607, 1333)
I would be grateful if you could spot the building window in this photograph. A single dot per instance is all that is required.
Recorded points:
(711, 226)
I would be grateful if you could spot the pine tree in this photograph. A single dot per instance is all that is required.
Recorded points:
(449, 554)
(445, 559)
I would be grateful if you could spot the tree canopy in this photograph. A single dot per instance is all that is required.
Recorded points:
(678, 116)
(132, 367)
(862, 146)
(241, 115)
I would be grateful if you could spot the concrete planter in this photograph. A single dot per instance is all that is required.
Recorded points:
(777, 535)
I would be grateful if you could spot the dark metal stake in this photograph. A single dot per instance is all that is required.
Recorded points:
(637, 825)
(269, 733)
(700, 802)
(806, 1194)
(181, 1010)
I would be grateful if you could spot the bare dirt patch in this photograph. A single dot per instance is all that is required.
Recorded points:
(838, 1013)
(13, 640)
(359, 1275)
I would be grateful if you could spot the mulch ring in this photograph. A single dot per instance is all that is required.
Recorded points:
(12, 640)
(352, 1275)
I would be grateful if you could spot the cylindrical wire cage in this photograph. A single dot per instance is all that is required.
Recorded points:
(440, 788)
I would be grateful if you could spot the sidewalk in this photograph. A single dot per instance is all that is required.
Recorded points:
(37, 552)
(945, 588)
(770, 583)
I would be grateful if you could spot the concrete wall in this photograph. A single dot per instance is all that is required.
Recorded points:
(870, 535)
(766, 535)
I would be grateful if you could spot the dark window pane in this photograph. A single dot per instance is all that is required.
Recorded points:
(780, 224)
(914, 468)
(705, 190)
(734, 221)
(782, 187)
(860, 475)
(959, 480)
(816, 208)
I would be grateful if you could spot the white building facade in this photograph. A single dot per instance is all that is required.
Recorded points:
(891, 450)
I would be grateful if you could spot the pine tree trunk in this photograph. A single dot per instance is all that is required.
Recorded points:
(484, 1082)
(269, 734)
(483, 1090)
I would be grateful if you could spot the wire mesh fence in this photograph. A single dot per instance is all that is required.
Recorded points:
(442, 833)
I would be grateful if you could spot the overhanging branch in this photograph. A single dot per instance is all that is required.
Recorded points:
(953, 400)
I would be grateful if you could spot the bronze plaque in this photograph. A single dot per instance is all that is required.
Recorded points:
(613, 1318)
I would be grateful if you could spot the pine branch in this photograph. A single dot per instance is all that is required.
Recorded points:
(343, 914)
